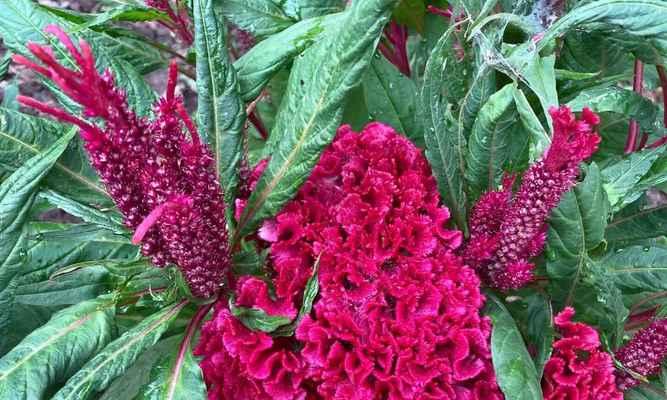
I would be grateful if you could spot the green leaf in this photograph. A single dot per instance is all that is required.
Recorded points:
(303, 9)
(312, 109)
(257, 319)
(57, 350)
(110, 220)
(390, 97)
(445, 145)
(248, 261)
(119, 355)
(23, 136)
(259, 17)
(411, 13)
(489, 142)
(126, 12)
(618, 100)
(177, 375)
(24, 22)
(4, 64)
(539, 138)
(621, 177)
(309, 294)
(256, 68)
(576, 226)
(9, 96)
(634, 21)
(515, 370)
(638, 269)
(220, 111)
(638, 221)
(540, 328)
(17, 194)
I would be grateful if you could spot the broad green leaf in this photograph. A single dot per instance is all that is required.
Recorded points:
(618, 100)
(638, 269)
(110, 220)
(411, 13)
(57, 350)
(641, 21)
(126, 12)
(539, 74)
(646, 391)
(257, 319)
(249, 261)
(576, 226)
(539, 138)
(9, 96)
(259, 17)
(489, 142)
(638, 221)
(23, 136)
(599, 302)
(445, 144)
(390, 97)
(256, 68)
(312, 109)
(176, 375)
(4, 64)
(220, 110)
(515, 370)
(17, 194)
(118, 356)
(24, 22)
(540, 329)
(132, 382)
(36, 285)
(303, 9)
(621, 178)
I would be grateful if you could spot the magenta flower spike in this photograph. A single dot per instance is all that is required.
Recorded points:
(508, 229)
(159, 174)
(643, 354)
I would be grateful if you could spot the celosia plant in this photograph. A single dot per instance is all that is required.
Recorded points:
(507, 230)
(333, 200)
(397, 314)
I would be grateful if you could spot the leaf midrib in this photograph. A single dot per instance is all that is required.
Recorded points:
(58, 165)
(49, 341)
(138, 337)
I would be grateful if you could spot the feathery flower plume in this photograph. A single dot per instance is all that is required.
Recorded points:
(159, 174)
(578, 368)
(179, 20)
(507, 230)
(643, 354)
(397, 315)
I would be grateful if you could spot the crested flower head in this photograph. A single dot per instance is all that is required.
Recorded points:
(397, 314)
(159, 174)
(578, 368)
(507, 230)
(643, 354)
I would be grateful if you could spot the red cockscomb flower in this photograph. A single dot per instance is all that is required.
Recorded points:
(643, 354)
(161, 178)
(578, 368)
(397, 315)
(507, 230)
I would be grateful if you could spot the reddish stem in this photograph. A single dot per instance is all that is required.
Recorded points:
(633, 130)
(639, 319)
(663, 83)
(257, 123)
(185, 345)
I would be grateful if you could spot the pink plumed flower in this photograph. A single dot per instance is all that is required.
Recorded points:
(159, 174)
(508, 229)
(643, 354)
(179, 20)
(397, 314)
(578, 368)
